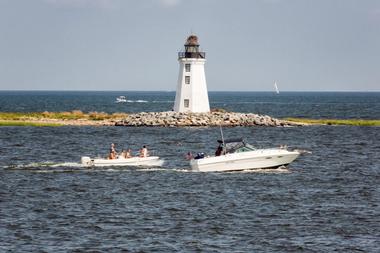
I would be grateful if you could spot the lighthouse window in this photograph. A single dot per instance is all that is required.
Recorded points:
(187, 79)
(187, 67)
(186, 103)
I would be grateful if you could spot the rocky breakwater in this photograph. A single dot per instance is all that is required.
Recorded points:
(178, 119)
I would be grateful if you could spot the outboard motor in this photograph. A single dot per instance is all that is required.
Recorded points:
(200, 156)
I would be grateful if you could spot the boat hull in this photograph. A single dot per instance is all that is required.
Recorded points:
(151, 161)
(257, 159)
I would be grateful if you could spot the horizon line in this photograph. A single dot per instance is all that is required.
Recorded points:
(36, 90)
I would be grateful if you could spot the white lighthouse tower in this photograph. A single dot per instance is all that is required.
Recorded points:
(191, 95)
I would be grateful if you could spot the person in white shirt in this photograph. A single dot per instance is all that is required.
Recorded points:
(144, 152)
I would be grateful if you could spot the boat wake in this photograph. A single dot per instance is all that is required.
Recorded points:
(163, 101)
(46, 166)
(55, 167)
(137, 101)
(279, 170)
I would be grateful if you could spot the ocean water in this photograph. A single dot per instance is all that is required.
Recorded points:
(326, 201)
(340, 105)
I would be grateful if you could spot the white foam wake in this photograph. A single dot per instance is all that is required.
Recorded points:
(46, 164)
(137, 101)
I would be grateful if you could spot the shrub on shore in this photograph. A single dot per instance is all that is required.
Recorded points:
(28, 123)
(98, 116)
(218, 110)
(350, 122)
(73, 115)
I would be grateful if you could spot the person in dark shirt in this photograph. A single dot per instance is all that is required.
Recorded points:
(218, 151)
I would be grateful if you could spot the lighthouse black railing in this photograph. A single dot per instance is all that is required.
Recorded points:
(201, 55)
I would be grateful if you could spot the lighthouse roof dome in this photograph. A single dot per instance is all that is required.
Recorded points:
(192, 40)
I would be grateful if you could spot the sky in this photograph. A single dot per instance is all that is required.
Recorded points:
(304, 45)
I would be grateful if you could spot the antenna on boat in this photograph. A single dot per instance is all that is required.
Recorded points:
(224, 145)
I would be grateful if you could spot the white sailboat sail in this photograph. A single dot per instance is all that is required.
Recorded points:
(276, 88)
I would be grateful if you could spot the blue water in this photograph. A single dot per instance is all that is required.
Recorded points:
(340, 105)
(327, 201)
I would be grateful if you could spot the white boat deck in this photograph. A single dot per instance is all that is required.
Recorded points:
(256, 159)
(121, 161)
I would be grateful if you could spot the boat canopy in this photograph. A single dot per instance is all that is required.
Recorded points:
(232, 145)
(235, 145)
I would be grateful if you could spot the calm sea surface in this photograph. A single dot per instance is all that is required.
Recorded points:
(327, 201)
(286, 104)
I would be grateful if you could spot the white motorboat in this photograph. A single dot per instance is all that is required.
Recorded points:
(236, 154)
(121, 99)
(150, 161)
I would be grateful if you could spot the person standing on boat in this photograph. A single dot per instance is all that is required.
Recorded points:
(219, 151)
(112, 154)
(144, 152)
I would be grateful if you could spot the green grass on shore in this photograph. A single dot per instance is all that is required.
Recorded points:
(28, 123)
(29, 118)
(349, 122)
(73, 115)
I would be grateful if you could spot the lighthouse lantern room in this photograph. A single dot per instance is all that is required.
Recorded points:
(191, 95)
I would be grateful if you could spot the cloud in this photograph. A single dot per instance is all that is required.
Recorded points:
(103, 4)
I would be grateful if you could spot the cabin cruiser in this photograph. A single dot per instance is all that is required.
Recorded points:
(150, 161)
(121, 99)
(236, 154)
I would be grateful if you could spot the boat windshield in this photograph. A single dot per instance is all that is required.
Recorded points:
(236, 146)
(247, 147)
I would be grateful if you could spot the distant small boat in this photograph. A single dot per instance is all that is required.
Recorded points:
(121, 99)
(276, 88)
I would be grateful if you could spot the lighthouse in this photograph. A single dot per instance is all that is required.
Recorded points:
(191, 95)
